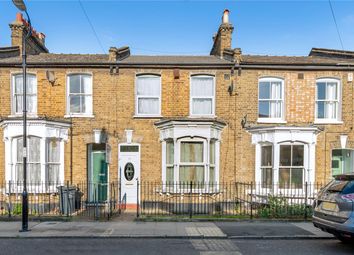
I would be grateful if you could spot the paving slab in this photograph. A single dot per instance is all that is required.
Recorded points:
(218, 230)
(263, 229)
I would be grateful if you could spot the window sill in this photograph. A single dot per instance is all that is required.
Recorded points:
(79, 116)
(29, 115)
(270, 120)
(147, 116)
(211, 116)
(329, 122)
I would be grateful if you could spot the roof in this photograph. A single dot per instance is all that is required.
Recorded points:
(103, 59)
(326, 58)
(8, 52)
(331, 53)
(292, 60)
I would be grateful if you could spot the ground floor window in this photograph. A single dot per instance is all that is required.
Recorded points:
(267, 166)
(291, 166)
(285, 156)
(187, 160)
(342, 161)
(45, 154)
(190, 153)
(43, 161)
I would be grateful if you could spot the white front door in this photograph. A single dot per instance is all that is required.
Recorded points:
(129, 171)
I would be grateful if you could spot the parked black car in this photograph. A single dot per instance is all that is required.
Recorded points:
(334, 208)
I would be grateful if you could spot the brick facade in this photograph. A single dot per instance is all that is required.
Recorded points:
(114, 108)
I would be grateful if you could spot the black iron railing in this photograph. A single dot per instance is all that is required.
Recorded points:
(226, 199)
(90, 200)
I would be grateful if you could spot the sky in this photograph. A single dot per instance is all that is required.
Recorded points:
(185, 27)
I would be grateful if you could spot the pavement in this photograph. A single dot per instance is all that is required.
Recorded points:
(190, 230)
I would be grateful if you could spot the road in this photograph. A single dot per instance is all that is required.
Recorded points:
(88, 246)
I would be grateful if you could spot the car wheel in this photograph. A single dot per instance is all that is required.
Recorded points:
(346, 240)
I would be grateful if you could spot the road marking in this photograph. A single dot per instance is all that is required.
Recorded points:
(215, 246)
(108, 232)
(204, 231)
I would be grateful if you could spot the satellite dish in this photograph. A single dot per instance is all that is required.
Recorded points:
(50, 76)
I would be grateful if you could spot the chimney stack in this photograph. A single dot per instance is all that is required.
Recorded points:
(19, 29)
(222, 39)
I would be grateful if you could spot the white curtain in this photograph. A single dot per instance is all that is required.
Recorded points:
(191, 152)
(202, 86)
(202, 106)
(148, 105)
(53, 161)
(331, 100)
(202, 93)
(276, 103)
(148, 94)
(33, 166)
(148, 86)
(31, 92)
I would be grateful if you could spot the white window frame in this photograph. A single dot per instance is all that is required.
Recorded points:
(43, 130)
(13, 91)
(276, 136)
(202, 97)
(209, 187)
(292, 144)
(137, 97)
(338, 101)
(68, 94)
(262, 168)
(204, 163)
(282, 100)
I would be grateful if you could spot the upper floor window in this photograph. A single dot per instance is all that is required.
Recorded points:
(148, 95)
(327, 100)
(31, 92)
(79, 94)
(202, 95)
(270, 99)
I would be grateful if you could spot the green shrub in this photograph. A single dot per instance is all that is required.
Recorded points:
(17, 209)
(279, 207)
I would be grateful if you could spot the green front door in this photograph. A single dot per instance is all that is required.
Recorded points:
(99, 176)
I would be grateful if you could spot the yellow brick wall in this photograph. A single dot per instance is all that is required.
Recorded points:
(114, 110)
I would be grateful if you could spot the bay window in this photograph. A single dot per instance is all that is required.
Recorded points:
(202, 95)
(190, 153)
(270, 100)
(79, 101)
(31, 94)
(327, 100)
(45, 154)
(285, 157)
(148, 95)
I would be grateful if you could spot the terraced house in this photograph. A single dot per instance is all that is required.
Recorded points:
(225, 117)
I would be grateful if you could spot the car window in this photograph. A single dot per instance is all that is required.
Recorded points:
(349, 188)
(337, 186)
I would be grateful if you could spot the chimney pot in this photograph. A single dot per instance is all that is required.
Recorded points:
(19, 17)
(225, 17)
